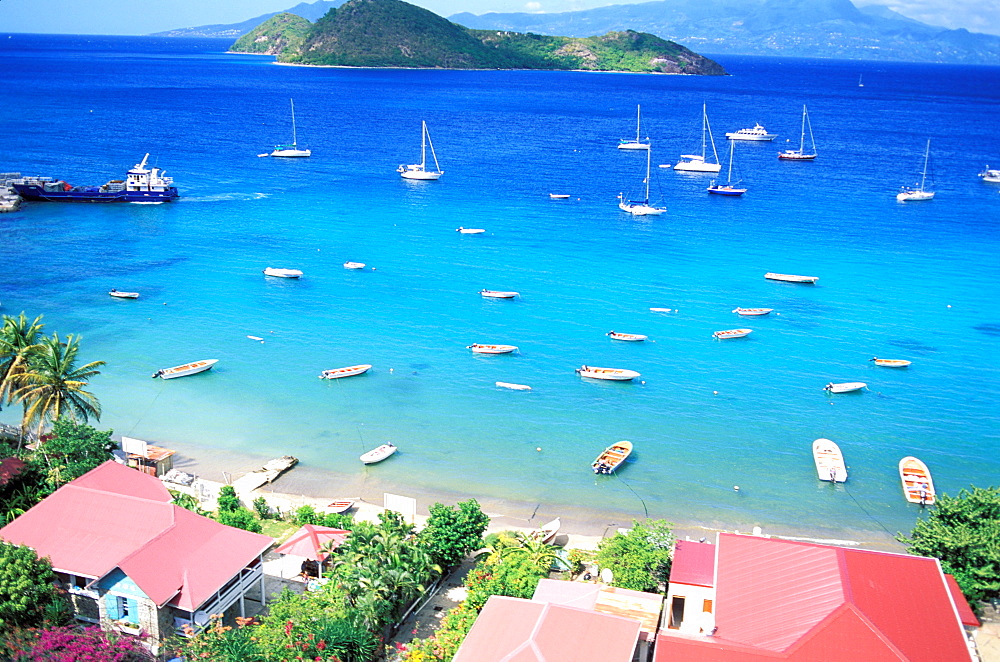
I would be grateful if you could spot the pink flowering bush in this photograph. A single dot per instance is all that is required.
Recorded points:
(68, 644)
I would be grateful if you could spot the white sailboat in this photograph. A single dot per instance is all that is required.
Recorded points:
(908, 194)
(643, 208)
(860, 84)
(728, 188)
(419, 170)
(801, 154)
(637, 143)
(293, 149)
(696, 163)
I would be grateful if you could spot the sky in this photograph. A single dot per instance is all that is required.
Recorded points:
(144, 17)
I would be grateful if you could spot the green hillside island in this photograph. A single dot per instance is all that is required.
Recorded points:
(392, 33)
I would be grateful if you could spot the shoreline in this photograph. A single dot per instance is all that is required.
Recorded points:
(305, 484)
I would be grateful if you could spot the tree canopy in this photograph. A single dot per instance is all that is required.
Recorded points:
(640, 559)
(28, 596)
(73, 449)
(452, 532)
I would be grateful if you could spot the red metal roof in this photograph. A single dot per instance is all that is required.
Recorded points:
(308, 540)
(693, 564)
(115, 516)
(965, 613)
(516, 630)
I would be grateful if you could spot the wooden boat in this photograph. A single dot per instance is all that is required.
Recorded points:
(282, 273)
(890, 363)
(612, 374)
(338, 507)
(349, 371)
(546, 532)
(492, 349)
(732, 333)
(123, 295)
(495, 294)
(627, 337)
(354, 265)
(829, 461)
(917, 484)
(790, 278)
(184, 370)
(750, 312)
(378, 454)
(513, 387)
(844, 387)
(612, 457)
(470, 230)
(559, 196)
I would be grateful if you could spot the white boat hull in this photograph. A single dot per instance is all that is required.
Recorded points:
(292, 153)
(829, 461)
(891, 363)
(913, 196)
(790, 278)
(697, 166)
(640, 210)
(633, 145)
(186, 369)
(418, 173)
(753, 312)
(378, 454)
(609, 374)
(492, 349)
(991, 176)
(627, 337)
(845, 387)
(513, 387)
(351, 371)
(918, 487)
(732, 333)
(274, 272)
(494, 294)
(470, 230)
(124, 295)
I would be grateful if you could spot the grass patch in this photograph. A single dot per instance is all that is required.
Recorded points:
(277, 529)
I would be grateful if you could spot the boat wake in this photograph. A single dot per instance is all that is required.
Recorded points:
(225, 197)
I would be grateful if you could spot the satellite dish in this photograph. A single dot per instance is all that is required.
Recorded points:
(607, 576)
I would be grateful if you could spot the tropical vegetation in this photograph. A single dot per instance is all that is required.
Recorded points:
(640, 558)
(28, 595)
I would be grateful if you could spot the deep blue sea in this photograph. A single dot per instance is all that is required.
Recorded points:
(916, 281)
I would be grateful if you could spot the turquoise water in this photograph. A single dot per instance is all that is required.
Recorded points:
(915, 281)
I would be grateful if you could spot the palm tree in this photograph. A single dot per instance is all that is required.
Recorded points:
(52, 385)
(18, 339)
(537, 552)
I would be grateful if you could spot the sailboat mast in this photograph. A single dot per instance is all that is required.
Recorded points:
(638, 110)
(648, 158)
(802, 138)
(927, 153)
(732, 145)
(423, 144)
(295, 139)
(704, 128)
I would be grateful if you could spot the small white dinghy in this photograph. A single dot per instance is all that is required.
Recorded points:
(378, 454)
(663, 310)
(123, 295)
(751, 312)
(192, 368)
(916, 479)
(791, 278)
(350, 371)
(276, 272)
(546, 532)
(513, 387)
(627, 337)
(611, 374)
(732, 333)
(470, 230)
(559, 196)
(890, 363)
(354, 265)
(338, 507)
(497, 294)
(829, 461)
(491, 349)
(844, 387)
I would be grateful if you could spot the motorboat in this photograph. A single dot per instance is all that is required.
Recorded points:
(378, 454)
(663, 310)
(123, 295)
(801, 154)
(141, 185)
(492, 349)
(752, 312)
(612, 457)
(546, 532)
(914, 194)
(627, 337)
(916, 479)
(791, 278)
(698, 162)
(513, 387)
(611, 374)
(354, 265)
(349, 371)
(559, 196)
(282, 273)
(626, 143)
(470, 230)
(342, 506)
(192, 368)
(290, 151)
(890, 363)
(844, 387)
(419, 170)
(732, 333)
(496, 294)
(991, 176)
(829, 461)
(756, 133)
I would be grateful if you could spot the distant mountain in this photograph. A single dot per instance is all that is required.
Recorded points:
(800, 28)
(393, 33)
(311, 12)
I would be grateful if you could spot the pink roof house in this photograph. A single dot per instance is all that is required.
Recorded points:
(133, 561)
(783, 600)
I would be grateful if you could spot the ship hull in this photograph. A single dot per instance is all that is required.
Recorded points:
(38, 193)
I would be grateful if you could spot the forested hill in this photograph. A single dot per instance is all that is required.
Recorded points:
(392, 33)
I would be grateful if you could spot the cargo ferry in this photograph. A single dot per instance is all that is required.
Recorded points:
(141, 185)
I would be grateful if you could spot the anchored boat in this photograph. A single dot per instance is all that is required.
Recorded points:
(378, 454)
(492, 349)
(791, 278)
(612, 457)
(844, 387)
(141, 184)
(611, 374)
(350, 371)
(829, 461)
(186, 369)
(890, 363)
(916, 479)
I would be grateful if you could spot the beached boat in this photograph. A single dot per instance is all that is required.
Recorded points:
(470, 230)
(801, 154)
(559, 196)
(419, 170)
(751, 312)
(338, 507)
(844, 387)
(913, 194)
(990, 175)
(698, 163)
(192, 368)
(640, 207)
(729, 188)
(791, 278)
(513, 387)
(916, 479)
(612, 457)
(378, 454)
(354, 265)
(349, 371)
(497, 294)
(277, 272)
(546, 532)
(123, 295)
(492, 349)
(141, 184)
(627, 337)
(626, 143)
(611, 374)
(292, 150)
(732, 333)
(756, 133)
(829, 461)
(890, 363)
